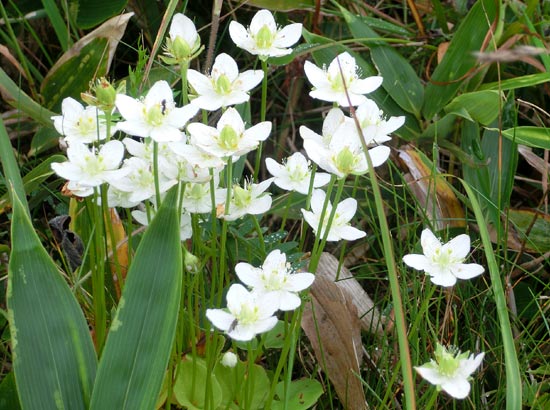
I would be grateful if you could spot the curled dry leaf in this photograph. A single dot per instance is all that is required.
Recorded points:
(447, 210)
(331, 324)
(118, 255)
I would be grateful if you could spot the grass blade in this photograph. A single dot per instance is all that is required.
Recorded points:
(138, 346)
(513, 378)
(53, 353)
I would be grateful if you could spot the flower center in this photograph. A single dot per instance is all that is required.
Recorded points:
(229, 139)
(94, 165)
(345, 160)
(264, 38)
(447, 361)
(248, 314)
(444, 258)
(222, 85)
(242, 197)
(155, 114)
(86, 125)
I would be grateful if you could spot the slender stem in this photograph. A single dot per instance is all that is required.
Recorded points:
(156, 171)
(183, 74)
(263, 109)
(98, 274)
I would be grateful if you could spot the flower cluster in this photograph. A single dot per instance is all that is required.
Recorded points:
(274, 286)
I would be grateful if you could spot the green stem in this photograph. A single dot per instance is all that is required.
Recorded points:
(156, 172)
(263, 109)
(98, 274)
(183, 73)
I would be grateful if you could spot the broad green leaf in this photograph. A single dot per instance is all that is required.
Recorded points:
(275, 338)
(517, 82)
(302, 393)
(14, 183)
(93, 12)
(459, 58)
(400, 80)
(54, 357)
(535, 137)
(232, 381)
(191, 384)
(538, 239)
(33, 179)
(140, 339)
(88, 59)
(9, 400)
(14, 96)
(44, 139)
(480, 106)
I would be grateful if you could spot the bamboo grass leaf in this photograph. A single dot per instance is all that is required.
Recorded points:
(54, 357)
(139, 343)
(400, 80)
(459, 58)
(534, 137)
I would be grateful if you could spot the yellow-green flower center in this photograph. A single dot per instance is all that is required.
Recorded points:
(345, 161)
(264, 38)
(248, 314)
(229, 139)
(155, 114)
(447, 361)
(242, 197)
(222, 85)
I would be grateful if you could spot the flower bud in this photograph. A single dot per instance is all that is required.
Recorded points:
(229, 359)
(191, 262)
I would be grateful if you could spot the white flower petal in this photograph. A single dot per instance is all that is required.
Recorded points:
(416, 261)
(468, 270)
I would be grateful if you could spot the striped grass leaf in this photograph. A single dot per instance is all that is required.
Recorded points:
(534, 137)
(139, 343)
(53, 354)
(459, 58)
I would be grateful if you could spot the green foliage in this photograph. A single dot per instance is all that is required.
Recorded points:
(138, 347)
(93, 12)
(54, 359)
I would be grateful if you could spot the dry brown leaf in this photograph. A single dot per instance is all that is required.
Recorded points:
(118, 265)
(533, 159)
(447, 208)
(441, 50)
(113, 29)
(330, 322)
(371, 319)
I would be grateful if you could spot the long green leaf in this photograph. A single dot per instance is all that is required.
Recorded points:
(139, 343)
(53, 353)
(535, 137)
(513, 377)
(58, 24)
(17, 98)
(93, 12)
(400, 80)
(459, 58)
(11, 170)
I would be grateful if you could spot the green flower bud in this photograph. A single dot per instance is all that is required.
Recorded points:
(242, 197)
(191, 262)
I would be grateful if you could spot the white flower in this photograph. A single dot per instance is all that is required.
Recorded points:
(88, 168)
(331, 84)
(197, 199)
(248, 314)
(79, 124)
(229, 138)
(340, 227)
(184, 41)
(334, 119)
(451, 370)
(139, 180)
(197, 157)
(229, 359)
(155, 116)
(225, 86)
(118, 198)
(250, 199)
(344, 155)
(186, 229)
(263, 38)
(444, 263)
(295, 174)
(374, 127)
(275, 277)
